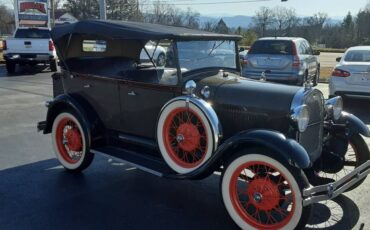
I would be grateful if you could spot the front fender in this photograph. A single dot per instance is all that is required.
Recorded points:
(353, 124)
(285, 148)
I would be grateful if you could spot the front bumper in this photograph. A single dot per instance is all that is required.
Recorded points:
(329, 191)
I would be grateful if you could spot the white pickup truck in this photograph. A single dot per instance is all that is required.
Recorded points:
(29, 46)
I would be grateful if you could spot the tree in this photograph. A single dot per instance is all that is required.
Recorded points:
(83, 9)
(209, 25)
(123, 10)
(263, 19)
(221, 27)
(285, 20)
(6, 20)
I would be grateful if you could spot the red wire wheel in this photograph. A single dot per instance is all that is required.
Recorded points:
(260, 193)
(69, 140)
(185, 137)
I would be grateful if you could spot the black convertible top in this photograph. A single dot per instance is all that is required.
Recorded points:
(134, 30)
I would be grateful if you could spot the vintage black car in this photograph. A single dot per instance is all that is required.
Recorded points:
(280, 148)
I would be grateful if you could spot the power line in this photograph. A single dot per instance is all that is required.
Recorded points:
(206, 3)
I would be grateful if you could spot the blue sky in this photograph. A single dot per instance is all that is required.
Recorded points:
(334, 8)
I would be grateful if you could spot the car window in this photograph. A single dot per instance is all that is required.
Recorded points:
(272, 47)
(302, 48)
(357, 56)
(32, 33)
(194, 55)
(308, 48)
(98, 46)
(157, 64)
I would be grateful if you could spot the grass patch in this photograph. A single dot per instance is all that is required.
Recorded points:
(330, 50)
(325, 73)
(1, 56)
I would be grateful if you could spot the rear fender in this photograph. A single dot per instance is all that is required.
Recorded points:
(63, 102)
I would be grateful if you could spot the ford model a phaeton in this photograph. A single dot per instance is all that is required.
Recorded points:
(279, 148)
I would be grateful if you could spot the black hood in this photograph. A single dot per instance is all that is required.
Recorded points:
(244, 104)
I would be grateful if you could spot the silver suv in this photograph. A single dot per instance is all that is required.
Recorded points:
(282, 59)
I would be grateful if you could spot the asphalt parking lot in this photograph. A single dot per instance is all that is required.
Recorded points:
(37, 193)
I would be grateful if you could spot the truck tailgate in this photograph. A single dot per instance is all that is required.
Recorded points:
(28, 45)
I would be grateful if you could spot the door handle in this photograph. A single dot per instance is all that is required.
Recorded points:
(132, 93)
(87, 86)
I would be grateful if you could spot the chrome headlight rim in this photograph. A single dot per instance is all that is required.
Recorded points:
(334, 107)
(300, 116)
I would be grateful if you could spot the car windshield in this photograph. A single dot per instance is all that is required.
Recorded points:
(32, 33)
(357, 56)
(204, 54)
(271, 47)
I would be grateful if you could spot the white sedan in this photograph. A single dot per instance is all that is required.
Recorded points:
(158, 53)
(351, 76)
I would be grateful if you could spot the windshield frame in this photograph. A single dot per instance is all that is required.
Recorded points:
(177, 60)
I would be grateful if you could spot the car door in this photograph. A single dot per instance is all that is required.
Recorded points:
(141, 103)
(100, 94)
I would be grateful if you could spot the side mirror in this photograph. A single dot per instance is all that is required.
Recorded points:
(241, 49)
(338, 59)
(316, 52)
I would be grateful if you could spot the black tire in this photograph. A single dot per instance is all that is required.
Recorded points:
(71, 141)
(358, 151)
(161, 59)
(293, 179)
(10, 67)
(53, 66)
(316, 79)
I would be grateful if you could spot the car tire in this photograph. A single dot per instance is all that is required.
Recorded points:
(10, 67)
(161, 59)
(317, 77)
(70, 142)
(268, 184)
(185, 136)
(357, 152)
(53, 66)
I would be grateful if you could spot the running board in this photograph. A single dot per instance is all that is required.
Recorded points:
(140, 161)
(329, 191)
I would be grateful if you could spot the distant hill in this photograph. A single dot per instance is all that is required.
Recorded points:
(245, 21)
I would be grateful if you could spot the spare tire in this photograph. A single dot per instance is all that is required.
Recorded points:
(187, 133)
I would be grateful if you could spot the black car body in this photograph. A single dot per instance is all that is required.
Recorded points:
(197, 115)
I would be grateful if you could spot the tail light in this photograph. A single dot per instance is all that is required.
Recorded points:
(51, 45)
(340, 73)
(296, 62)
(4, 45)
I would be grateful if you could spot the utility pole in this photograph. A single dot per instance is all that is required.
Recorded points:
(52, 17)
(103, 9)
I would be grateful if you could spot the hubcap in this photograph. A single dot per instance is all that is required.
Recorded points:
(265, 194)
(69, 140)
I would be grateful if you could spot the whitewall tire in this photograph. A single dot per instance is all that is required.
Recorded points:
(185, 136)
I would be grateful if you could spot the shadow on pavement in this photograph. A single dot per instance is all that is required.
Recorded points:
(111, 195)
(25, 70)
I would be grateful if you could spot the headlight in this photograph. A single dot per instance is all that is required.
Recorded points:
(301, 117)
(206, 92)
(334, 107)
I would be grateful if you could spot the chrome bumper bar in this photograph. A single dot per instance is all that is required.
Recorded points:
(331, 190)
